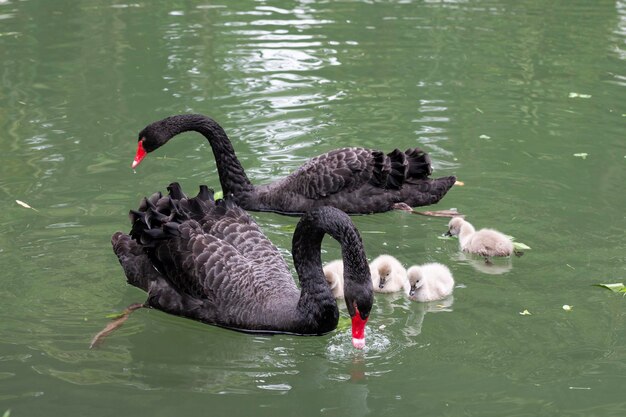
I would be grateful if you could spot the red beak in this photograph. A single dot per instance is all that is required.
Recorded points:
(141, 153)
(358, 331)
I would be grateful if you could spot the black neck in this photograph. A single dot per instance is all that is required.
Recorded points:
(232, 175)
(306, 251)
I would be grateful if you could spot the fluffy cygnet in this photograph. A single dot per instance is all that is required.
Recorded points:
(333, 271)
(429, 282)
(485, 242)
(388, 274)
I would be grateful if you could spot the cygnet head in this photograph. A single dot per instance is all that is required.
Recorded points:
(414, 274)
(454, 226)
(388, 274)
(384, 270)
(332, 278)
(429, 282)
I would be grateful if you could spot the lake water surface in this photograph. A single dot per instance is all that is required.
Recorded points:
(503, 94)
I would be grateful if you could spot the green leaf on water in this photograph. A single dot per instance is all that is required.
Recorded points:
(582, 155)
(520, 246)
(114, 316)
(218, 195)
(618, 287)
(7, 413)
(344, 323)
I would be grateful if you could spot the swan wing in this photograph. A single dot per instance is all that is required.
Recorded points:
(236, 228)
(232, 260)
(340, 170)
(235, 289)
(349, 169)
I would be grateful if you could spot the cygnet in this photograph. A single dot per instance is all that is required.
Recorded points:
(388, 274)
(485, 242)
(333, 271)
(429, 282)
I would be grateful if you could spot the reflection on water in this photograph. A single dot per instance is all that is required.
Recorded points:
(394, 327)
(496, 266)
(208, 359)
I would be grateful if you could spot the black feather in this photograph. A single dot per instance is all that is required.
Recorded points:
(211, 262)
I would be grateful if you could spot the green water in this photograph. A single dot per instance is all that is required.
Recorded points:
(484, 86)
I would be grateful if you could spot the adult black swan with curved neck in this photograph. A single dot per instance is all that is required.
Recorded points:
(209, 261)
(355, 180)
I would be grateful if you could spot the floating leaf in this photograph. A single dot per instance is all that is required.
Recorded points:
(484, 137)
(218, 195)
(23, 204)
(520, 246)
(525, 313)
(582, 155)
(567, 307)
(7, 413)
(618, 287)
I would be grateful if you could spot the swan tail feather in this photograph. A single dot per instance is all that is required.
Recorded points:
(382, 167)
(159, 217)
(138, 268)
(143, 206)
(175, 191)
(205, 193)
(399, 168)
(419, 164)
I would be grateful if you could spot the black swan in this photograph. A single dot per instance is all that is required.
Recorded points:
(354, 180)
(209, 261)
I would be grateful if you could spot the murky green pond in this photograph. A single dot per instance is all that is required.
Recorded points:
(501, 93)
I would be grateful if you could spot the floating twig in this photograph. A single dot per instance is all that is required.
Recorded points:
(439, 213)
(109, 328)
